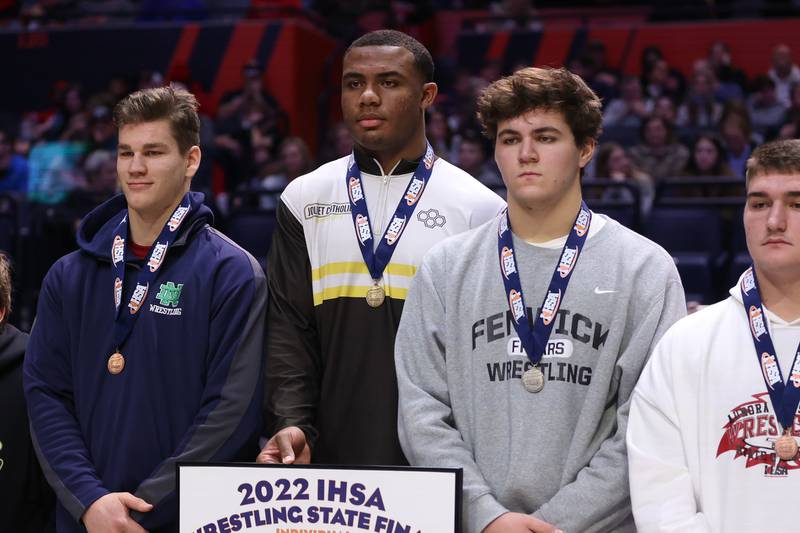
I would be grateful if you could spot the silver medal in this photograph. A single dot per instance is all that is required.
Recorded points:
(533, 379)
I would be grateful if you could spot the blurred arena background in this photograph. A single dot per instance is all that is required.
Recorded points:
(689, 88)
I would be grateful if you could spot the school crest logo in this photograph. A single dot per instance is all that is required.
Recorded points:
(750, 433)
(118, 250)
(177, 218)
(550, 307)
(169, 295)
(567, 262)
(157, 257)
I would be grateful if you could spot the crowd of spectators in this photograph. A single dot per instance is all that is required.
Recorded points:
(660, 125)
(59, 161)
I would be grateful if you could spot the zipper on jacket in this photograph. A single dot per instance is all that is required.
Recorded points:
(381, 214)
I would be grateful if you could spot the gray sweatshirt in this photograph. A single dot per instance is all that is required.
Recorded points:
(560, 453)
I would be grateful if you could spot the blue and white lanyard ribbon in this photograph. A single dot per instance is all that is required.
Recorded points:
(534, 342)
(125, 320)
(785, 398)
(377, 259)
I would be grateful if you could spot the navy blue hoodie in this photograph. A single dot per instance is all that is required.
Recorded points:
(191, 386)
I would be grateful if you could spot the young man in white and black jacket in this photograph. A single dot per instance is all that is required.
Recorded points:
(330, 385)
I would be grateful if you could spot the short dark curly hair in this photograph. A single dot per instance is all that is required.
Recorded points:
(555, 89)
(423, 60)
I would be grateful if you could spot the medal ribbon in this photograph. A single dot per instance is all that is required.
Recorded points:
(785, 398)
(377, 259)
(534, 342)
(124, 321)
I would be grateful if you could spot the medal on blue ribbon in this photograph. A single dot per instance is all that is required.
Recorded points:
(535, 341)
(785, 396)
(376, 259)
(124, 321)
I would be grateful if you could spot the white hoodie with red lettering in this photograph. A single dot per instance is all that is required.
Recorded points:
(702, 428)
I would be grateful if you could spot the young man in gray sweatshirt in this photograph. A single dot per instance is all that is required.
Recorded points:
(530, 398)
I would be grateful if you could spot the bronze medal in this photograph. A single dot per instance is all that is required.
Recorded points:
(533, 380)
(786, 447)
(375, 296)
(116, 363)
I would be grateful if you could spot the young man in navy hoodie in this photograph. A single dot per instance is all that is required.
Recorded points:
(147, 345)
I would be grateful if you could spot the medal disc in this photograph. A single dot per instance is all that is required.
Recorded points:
(375, 296)
(786, 447)
(116, 363)
(533, 379)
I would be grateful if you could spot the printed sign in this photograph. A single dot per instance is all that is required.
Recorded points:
(217, 498)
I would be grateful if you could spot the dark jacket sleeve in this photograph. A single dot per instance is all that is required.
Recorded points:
(55, 431)
(294, 363)
(229, 416)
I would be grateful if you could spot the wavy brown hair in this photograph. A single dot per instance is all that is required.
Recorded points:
(542, 88)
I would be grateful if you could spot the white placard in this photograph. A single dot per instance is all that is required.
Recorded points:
(309, 499)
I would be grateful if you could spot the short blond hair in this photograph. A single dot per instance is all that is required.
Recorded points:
(774, 157)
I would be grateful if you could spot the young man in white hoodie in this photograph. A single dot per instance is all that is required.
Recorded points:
(713, 430)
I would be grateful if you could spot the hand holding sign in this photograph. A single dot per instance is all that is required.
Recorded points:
(519, 523)
(287, 446)
(110, 514)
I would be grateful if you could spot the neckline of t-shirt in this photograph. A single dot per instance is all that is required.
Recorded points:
(599, 221)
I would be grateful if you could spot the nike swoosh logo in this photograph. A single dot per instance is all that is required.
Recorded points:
(597, 290)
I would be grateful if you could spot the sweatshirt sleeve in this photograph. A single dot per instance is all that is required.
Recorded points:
(662, 494)
(598, 498)
(55, 432)
(229, 415)
(425, 419)
(294, 365)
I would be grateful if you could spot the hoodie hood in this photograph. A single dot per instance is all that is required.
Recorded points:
(735, 291)
(96, 230)
(12, 347)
